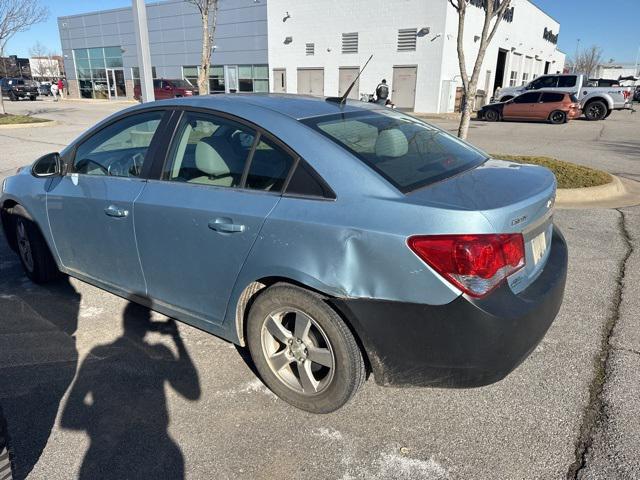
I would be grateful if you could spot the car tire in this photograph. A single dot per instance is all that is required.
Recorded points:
(32, 98)
(32, 249)
(596, 110)
(288, 329)
(12, 97)
(491, 115)
(557, 117)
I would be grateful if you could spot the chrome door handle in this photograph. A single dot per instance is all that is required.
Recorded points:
(114, 211)
(225, 225)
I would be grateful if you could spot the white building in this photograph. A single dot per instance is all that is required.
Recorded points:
(614, 71)
(317, 47)
(45, 68)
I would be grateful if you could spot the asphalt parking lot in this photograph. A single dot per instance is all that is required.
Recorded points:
(86, 397)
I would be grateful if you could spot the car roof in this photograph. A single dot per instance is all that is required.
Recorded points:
(293, 106)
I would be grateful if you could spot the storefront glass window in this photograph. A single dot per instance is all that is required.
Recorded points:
(99, 72)
(251, 78)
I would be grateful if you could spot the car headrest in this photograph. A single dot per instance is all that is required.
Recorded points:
(391, 143)
(209, 156)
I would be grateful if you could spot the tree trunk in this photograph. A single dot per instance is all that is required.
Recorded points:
(467, 110)
(203, 75)
(2, 110)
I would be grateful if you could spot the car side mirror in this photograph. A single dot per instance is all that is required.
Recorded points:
(49, 165)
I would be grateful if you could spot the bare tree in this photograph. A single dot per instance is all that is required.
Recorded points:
(494, 10)
(208, 12)
(17, 16)
(586, 61)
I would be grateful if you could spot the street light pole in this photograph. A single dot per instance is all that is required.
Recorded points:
(144, 54)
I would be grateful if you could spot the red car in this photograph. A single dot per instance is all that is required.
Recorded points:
(554, 107)
(168, 88)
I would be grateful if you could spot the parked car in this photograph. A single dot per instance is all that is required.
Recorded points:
(331, 239)
(17, 88)
(636, 93)
(550, 106)
(597, 103)
(44, 89)
(168, 88)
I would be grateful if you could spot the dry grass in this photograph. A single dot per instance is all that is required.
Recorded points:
(568, 175)
(8, 119)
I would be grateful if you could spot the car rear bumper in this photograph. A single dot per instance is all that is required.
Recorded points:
(574, 113)
(466, 343)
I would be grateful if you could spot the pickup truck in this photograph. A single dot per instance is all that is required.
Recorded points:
(16, 88)
(596, 102)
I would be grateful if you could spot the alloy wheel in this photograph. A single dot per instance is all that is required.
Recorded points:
(24, 247)
(596, 111)
(298, 351)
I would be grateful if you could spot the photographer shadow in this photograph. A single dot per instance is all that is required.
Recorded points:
(118, 398)
(39, 359)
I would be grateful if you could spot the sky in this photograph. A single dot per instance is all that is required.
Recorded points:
(613, 26)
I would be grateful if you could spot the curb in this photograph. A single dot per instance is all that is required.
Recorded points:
(47, 123)
(620, 192)
(99, 101)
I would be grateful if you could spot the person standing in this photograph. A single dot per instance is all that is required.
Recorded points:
(54, 91)
(61, 88)
(382, 93)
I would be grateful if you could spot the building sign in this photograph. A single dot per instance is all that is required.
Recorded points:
(549, 36)
(507, 16)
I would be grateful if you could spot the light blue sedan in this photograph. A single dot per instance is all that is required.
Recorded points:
(332, 239)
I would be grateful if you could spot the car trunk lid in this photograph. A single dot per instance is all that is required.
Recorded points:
(514, 198)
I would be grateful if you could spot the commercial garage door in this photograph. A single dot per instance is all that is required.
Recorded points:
(311, 81)
(347, 76)
(403, 92)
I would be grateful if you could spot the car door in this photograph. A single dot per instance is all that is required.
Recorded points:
(90, 209)
(196, 224)
(521, 106)
(549, 101)
(158, 90)
(567, 83)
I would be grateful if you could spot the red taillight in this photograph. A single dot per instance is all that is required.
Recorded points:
(476, 264)
(626, 94)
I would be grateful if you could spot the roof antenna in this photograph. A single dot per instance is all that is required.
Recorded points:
(341, 100)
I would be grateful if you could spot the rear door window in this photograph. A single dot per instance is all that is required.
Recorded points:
(209, 150)
(405, 151)
(269, 167)
(567, 81)
(549, 81)
(550, 97)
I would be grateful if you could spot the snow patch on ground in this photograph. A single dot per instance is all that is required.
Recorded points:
(253, 386)
(393, 466)
(328, 433)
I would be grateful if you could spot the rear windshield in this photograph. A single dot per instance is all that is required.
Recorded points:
(407, 152)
